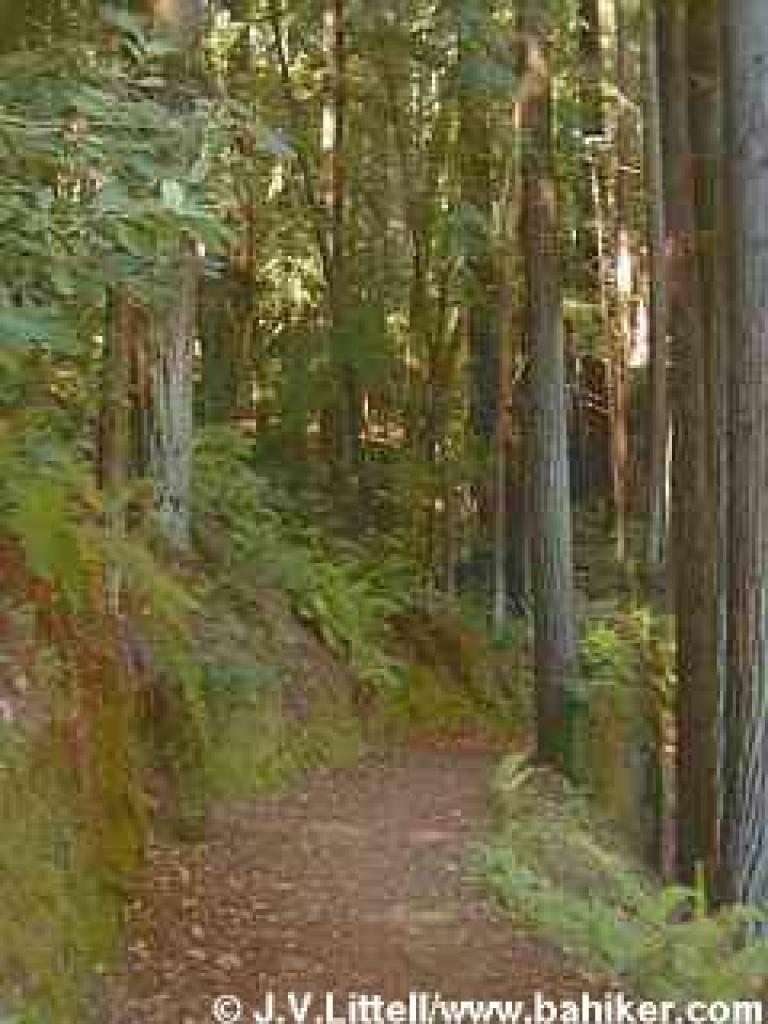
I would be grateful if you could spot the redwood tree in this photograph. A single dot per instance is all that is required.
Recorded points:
(551, 558)
(693, 500)
(744, 832)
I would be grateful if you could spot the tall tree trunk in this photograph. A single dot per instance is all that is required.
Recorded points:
(744, 832)
(621, 336)
(174, 327)
(693, 503)
(220, 364)
(705, 117)
(658, 406)
(334, 120)
(591, 122)
(551, 557)
(227, 320)
(502, 585)
(481, 294)
(115, 430)
(174, 332)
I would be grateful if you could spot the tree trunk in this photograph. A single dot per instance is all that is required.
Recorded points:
(227, 323)
(744, 833)
(334, 120)
(481, 302)
(220, 364)
(622, 328)
(659, 419)
(115, 431)
(174, 327)
(172, 405)
(705, 117)
(693, 502)
(591, 122)
(551, 557)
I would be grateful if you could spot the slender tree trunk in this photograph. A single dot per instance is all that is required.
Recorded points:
(227, 319)
(512, 408)
(220, 364)
(744, 833)
(693, 500)
(659, 419)
(591, 122)
(552, 568)
(174, 332)
(481, 298)
(174, 327)
(705, 102)
(482, 293)
(621, 335)
(601, 460)
(333, 141)
(115, 430)
(501, 554)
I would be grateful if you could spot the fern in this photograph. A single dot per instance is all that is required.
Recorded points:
(556, 867)
(347, 596)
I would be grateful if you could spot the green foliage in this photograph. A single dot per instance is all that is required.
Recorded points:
(259, 744)
(43, 494)
(277, 703)
(246, 526)
(458, 682)
(625, 663)
(556, 866)
(431, 703)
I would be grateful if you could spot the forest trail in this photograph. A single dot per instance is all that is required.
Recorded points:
(355, 882)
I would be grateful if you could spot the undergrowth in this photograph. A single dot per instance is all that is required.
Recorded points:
(627, 690)
(275, 648)
(378, 668)
(278, 704)
(253, 536)
(556, 866)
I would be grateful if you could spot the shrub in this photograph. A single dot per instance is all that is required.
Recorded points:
(558, 868)
(338, 588)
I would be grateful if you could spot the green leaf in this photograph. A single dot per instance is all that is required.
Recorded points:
(29, 324)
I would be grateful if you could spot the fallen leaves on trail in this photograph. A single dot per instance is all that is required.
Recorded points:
(354, 883)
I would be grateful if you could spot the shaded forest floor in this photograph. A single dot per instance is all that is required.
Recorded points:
(355, 882)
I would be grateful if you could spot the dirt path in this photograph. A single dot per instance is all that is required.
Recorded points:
(354, 884)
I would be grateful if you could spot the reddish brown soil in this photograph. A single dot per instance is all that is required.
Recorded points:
(355, 883)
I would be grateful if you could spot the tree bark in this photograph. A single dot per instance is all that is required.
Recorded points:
(551, 557)
(705, 117)
(174, 331)
(622, 328)
(114, 456)
(481, 297)
(592, 126)
(334, 122)
(658, 407)
(693, 506)
(174, 327)
(743, 874)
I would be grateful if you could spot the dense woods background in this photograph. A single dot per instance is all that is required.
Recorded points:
(411, 327)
